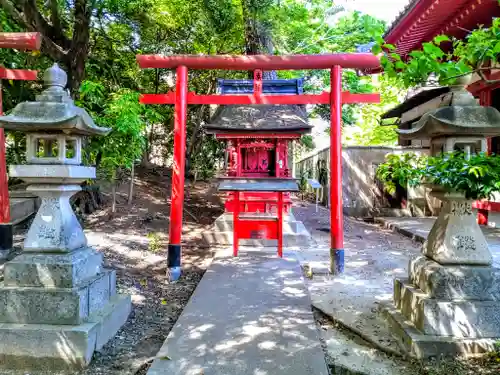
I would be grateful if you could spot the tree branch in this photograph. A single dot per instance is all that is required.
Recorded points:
(15, 13)
(36, 20)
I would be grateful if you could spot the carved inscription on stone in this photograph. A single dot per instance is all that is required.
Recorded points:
(461, 208)
(464, 243)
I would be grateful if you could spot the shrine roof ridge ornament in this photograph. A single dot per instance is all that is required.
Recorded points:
(264, 62)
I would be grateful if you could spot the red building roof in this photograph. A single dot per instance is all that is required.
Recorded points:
(422, 20)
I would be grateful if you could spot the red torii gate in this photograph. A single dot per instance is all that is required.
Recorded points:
(21, 41)
(181, 98)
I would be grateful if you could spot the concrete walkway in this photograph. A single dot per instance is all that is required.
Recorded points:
(250, 315)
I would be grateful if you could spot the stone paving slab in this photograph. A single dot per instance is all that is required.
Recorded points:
(373, 258)
(249, 315)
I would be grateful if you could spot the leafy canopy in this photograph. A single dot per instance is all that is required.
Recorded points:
(444, 57)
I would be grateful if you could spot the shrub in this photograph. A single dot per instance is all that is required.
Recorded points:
(403, 169)
(476, 176)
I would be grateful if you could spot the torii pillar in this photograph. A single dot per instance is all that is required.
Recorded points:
(20, 41)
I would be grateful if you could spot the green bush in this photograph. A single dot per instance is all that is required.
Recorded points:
(403, 169)
(476, 176)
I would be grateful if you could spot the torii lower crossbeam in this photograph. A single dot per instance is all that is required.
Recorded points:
(335, 98)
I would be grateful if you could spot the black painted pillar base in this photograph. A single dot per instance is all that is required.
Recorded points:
(174, 262)
(6, 240)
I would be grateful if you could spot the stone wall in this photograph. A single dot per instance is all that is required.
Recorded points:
(359, 187)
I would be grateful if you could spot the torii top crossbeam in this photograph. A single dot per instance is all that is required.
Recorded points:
(264, 62)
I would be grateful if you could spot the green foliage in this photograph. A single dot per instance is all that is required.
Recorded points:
(367, 130)
(307, 142)
(121, 29)
(401, 170)
(304, 175)
(321, 27)
(474, 54)
(478, 177)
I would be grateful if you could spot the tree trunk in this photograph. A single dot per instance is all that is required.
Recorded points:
(258, 38)
(131, 187)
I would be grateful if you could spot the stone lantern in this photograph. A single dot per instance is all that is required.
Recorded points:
(57, 302)
(450, 301)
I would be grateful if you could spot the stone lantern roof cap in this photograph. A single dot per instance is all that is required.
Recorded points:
(53, 111)
(458, 115)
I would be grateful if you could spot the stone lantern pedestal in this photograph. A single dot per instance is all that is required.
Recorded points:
(450, 301)
(57, 302)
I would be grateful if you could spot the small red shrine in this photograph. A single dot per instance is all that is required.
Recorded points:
(259, 139)
(259, 148)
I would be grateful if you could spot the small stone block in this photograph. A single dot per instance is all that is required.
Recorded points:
(53, 305)
(455, 282)
(43, 306)
(456, 238)
(62, 233)
(53, 270)
(112, 283)
(111, 318)
(422, 346)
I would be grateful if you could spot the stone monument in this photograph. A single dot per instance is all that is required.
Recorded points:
(450, 303)
(57, 302)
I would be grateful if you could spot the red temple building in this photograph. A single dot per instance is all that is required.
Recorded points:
(420, 22)
(259, 147)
